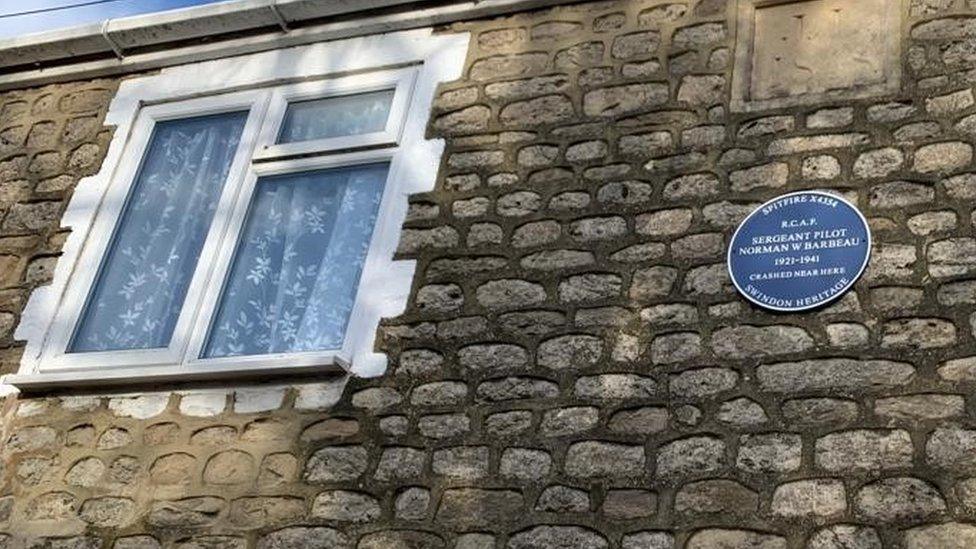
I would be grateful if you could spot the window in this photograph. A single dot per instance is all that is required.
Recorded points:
(243, 223)
(245, 218)
(240, 230)
(234, 246)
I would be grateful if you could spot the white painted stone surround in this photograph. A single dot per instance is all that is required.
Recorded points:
(442, 59)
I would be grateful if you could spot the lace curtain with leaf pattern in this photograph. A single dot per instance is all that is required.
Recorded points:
(142, 282)
(294, 278)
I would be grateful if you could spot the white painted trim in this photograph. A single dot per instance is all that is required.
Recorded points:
(104, 225)
(402, 81)
(224, 259)
(164, 374)
(385, 283)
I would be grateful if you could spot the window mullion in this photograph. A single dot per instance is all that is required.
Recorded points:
(222, 224)
(233, 215)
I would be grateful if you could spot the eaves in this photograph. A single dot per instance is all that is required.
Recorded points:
(222, 29)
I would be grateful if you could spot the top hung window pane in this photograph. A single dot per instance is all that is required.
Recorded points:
(336, 116)
(139, 292)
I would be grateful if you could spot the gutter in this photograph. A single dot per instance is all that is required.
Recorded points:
(222, 29)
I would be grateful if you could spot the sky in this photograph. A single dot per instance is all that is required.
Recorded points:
(19, 17)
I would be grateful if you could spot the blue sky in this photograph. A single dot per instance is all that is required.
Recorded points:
(68, 13)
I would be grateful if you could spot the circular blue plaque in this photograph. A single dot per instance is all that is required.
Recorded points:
(799, 251)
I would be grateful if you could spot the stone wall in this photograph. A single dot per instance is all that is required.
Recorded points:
(574, 369)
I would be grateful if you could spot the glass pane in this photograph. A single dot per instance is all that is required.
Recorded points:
(137, 297)
(294, 278)
(336, 116)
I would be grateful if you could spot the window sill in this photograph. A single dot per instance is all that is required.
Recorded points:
(152, 375)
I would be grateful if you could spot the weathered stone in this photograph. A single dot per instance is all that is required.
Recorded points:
(899, 194)
(741, 412)
(376, 398)
(820, 167)
(416, 240)
(301, 537)
(618, 100)
(398, 463)
(691, 456)
(571, 351)
(85, 472)
(878, 163)
(469, 120)
(959, 369)
(629, 504)
(864, 450)
(920, 407)
(525, 464)
(794, 145)
(604, 459)
(951, 535)
(557, 537)
(741, 342)
(548, 109)
(651, 283)
(508, 423)
(187, 512)
(890, 112)
(345, 506)
(645, 144)
(501, 66)
(810, 498)
(569, 421)
(716, 496)
(676, 347)
(918, 333)
(518, 204)
(597, 228)
(819, 411)
(336, 463)
(831, 118)
(664, 222)
(837, 374)
(108, 511)
(903, 500)
(439, 393)
(703, 382)
(400, 539)
(670, 313)
(952, 257)
(586, 54)
(769, 453)
(772, 175)
(563, 499)
(635, 44)
(713, 538)
(532, 322)
(589, 287)
(952, 449)
(645, 420)
(517, 388)
(476, 508)
(943, 157)
(510, 294)
(701, 90)
(493, 358)
(928, 223)
(699, 246)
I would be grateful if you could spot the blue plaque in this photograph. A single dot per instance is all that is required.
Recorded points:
(799, 251)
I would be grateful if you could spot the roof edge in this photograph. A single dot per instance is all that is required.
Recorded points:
(157, 40)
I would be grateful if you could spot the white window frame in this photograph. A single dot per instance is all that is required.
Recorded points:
(401, 81)
(411, 62)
